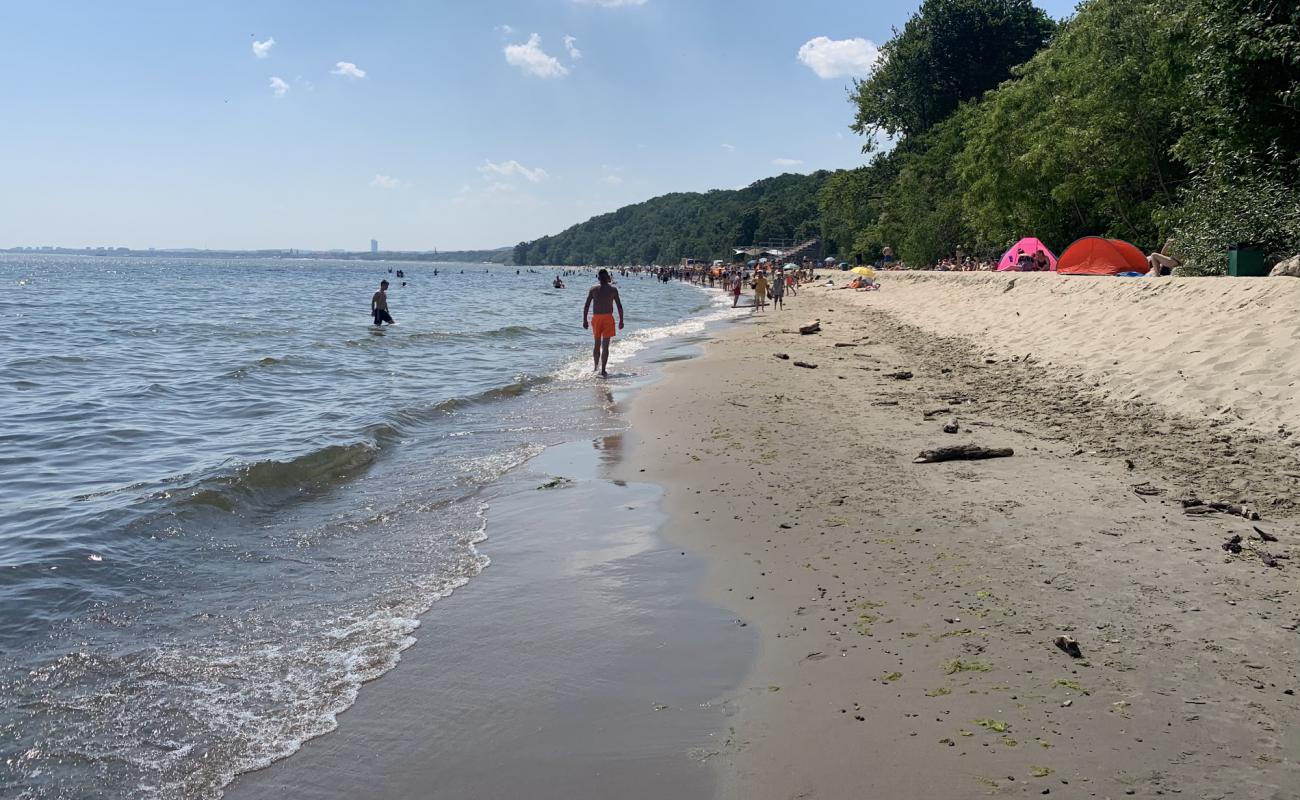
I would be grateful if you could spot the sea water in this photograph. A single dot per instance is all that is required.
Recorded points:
(226, 498)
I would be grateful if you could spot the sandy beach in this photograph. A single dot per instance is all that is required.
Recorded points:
(907, 612)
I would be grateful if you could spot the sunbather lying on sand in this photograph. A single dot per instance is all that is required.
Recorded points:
(1163, 262)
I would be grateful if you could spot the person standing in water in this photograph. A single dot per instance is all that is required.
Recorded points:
(601, 301)
(379, 305)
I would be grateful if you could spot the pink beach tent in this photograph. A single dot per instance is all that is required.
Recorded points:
(1029, 245)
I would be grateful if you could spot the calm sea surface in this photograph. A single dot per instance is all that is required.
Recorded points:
(225, 498)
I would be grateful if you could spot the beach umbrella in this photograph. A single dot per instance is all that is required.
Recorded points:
(830, 260)
(866, 272)
(790, 266)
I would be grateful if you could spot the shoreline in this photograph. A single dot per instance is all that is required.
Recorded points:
(581, 663)
(907, 613)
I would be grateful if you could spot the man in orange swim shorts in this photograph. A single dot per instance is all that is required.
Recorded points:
(601, 301)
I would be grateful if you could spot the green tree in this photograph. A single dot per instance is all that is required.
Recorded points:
(1080, 141)
(949, 52)
(1240, 123)
(921, 215)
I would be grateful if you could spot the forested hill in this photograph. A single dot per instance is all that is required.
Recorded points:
(706, 225)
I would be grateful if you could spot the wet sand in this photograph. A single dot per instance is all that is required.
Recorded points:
(581, 663)
(907, 611)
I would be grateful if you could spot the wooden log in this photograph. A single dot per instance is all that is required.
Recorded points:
(812, 327)
(901, 375)
(951, 426)
(962, 452)
(805, 365)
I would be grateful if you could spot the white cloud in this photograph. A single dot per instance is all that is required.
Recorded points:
(570, 44)
(510, 168)
(611, 3)
(786, 162)
(263, 49)
(348, 70)
(530, 58)
(384, 182)
(278, 87)
(612, 175)
(842, 58)
(504, 30)
(730, 148)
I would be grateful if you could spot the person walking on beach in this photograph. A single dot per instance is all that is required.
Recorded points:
(760, 292)
(602, 299)
(778, 291)
(735, 289)
(379, 305)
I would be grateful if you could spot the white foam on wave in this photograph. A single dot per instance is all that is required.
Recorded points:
(358, 650)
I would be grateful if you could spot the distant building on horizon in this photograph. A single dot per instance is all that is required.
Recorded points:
(374, 245)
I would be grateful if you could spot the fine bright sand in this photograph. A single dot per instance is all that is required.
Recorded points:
(907, 612)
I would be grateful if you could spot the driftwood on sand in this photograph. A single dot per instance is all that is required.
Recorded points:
(962, 452)
(1193, 505)
(812, 327)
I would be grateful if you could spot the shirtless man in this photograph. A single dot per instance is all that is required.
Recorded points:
(379, 305)
(601, 300)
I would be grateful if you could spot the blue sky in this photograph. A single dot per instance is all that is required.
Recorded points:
(443, 124)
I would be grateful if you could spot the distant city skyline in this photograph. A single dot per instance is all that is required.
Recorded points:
(440, 125)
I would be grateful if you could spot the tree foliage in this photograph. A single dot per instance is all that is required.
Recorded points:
(1140, 119)
(949, 52)
(1079, 142)
(687, 225)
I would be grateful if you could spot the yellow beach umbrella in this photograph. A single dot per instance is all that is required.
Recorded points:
(866, 272)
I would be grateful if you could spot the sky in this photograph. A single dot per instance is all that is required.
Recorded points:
(447, 124)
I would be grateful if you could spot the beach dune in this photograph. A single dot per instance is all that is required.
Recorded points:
(1225, 349)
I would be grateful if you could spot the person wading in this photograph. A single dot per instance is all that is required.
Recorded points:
(601, 301)
(379, 305)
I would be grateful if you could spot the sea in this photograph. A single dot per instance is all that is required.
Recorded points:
(226, 498)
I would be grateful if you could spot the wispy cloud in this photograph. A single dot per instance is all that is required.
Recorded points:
(534, 61)
(279, 87)
(348, 70)
(511, 168)
(611, 3)
(786, 162)
(730, 148)
(612, 175)
(570, 44)
(384, 182)
(263, 49)
(840, 58)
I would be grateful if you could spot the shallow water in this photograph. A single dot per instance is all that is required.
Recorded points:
(225, 498)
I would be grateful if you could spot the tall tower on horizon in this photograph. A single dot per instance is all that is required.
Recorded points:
(374, 245)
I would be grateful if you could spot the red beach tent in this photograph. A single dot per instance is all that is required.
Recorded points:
(1093, 255)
